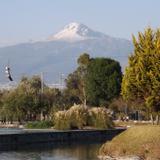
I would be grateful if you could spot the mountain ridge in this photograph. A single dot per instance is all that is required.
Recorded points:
(54, 57)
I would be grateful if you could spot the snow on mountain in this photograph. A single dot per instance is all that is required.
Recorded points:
(59, 53)
(76, 32)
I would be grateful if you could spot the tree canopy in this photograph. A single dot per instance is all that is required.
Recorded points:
(27, 102)
(96, 81)
(75, 82)
(103, 81)
(141, 81)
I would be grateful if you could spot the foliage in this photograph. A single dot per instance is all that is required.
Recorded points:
(73, 88)
(14, 106)
(118, 105)
(75, 82)
(23, 102)
(141, 81)
(119, 108)
(83, 60)
(77, 117)
(29, 95)
(74, 118)
(61, 120)
(27, 102)
(39, 125)
(103, 81)
(53, 99)
(96, 81)
(98, 118)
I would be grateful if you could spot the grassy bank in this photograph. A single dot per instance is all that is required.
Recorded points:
(143, 141)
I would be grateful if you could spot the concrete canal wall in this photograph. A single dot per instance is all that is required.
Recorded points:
(37, 138)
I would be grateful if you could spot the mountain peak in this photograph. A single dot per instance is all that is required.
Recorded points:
(78, 28)
(74, 26)
(76, 32)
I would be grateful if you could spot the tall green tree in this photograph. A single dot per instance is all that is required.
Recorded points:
(103, 81)
(141, 81)
(14, 105)
(31, 87)
(75, 82)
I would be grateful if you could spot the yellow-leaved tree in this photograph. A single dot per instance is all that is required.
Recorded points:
(141, 80)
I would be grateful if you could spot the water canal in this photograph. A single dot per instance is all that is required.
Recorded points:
(72, 145)
(60, 152)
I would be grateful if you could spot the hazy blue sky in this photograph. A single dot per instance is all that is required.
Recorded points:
(23, 20)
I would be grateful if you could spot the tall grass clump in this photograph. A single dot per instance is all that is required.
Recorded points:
(61, 120)
(78, 116)
(98, 118)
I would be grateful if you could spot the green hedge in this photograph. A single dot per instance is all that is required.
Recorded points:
(39, 125)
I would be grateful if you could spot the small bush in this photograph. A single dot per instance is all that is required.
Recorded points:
(39, 125)
(98, 118)
(61, 120)
(78, 116)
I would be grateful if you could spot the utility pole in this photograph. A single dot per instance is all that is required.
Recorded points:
(61, 80)
(42, 91)
(42, 83)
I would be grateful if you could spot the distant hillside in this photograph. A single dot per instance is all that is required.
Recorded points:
(58, 53)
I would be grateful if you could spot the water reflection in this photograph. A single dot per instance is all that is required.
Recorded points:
(11, 130)
(60, 152)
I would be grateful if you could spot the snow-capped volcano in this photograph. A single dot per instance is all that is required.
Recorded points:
(76, 32)
(59, 53)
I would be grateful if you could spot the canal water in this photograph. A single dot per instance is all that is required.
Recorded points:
(55, 152)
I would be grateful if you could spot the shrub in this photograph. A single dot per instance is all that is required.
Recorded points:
(39, 125)
(61, 120)
(78, 116)
(98, 118)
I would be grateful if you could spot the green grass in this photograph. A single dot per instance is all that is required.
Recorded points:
(39, 125)
(143, 141)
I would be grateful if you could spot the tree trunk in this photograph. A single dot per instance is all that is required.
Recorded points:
(11, 120)
(19, 121)
(84, 101)
(157, 119)
(152, 120)
(41, 116)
